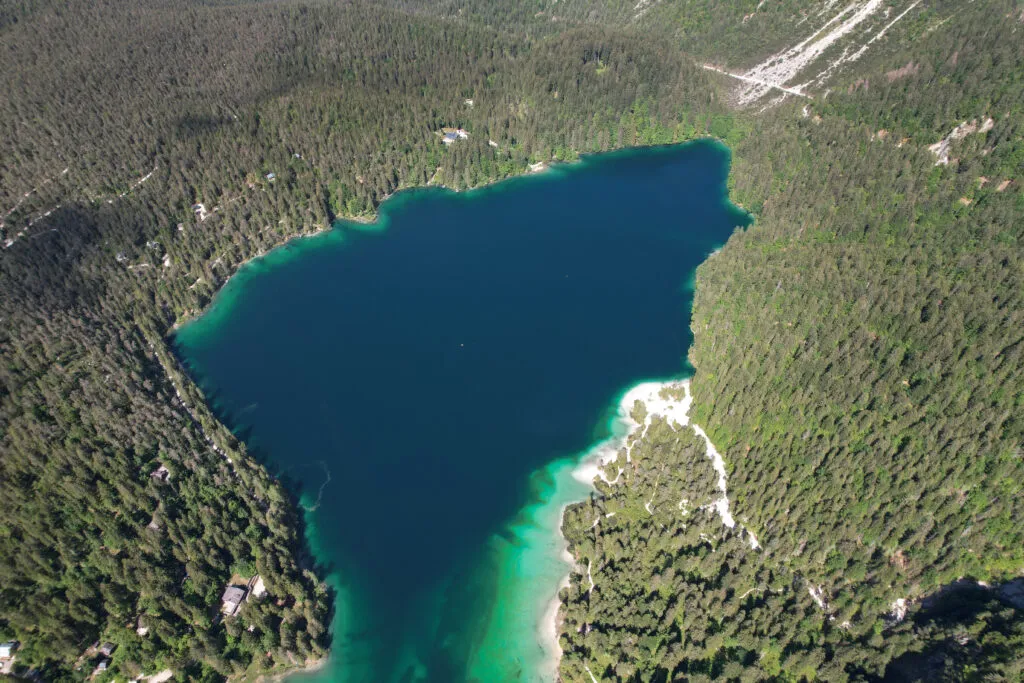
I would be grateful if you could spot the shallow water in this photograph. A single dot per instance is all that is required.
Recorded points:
(431, 381)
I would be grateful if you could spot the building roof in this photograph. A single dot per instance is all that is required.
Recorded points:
(108, 648)
(7, 649)
(232, 600)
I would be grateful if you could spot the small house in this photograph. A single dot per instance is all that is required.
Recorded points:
(450, 135)
(232, 600)
(108, 648)
(160, 474)
(102, 666)
(270, 177)
(8, 649)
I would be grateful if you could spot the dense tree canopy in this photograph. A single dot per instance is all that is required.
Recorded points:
(857, 351)
(138, 145)
(857, 361)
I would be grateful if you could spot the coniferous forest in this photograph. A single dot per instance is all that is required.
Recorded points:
(857, 350)
(857, 357)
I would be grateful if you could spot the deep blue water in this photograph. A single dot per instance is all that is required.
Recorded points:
(435, 365)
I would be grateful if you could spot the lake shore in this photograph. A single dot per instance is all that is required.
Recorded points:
(191, 315)
(373, 219)
(310, 667)
(368, 221)
(659, 398)
(671, 400)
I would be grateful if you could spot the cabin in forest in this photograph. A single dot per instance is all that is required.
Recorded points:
(232, 600)
(8, 649)
(161, 473)
(450, 135)
(108, 648)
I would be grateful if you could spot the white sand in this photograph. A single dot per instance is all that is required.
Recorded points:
(548, 630)
(648, 393)
(164, 675)
(676, 411)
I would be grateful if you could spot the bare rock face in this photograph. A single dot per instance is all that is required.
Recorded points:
(1013, 592)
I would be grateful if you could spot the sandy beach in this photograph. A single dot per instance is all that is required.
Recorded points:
(591, 466)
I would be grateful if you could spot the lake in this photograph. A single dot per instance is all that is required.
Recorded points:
(429, 383)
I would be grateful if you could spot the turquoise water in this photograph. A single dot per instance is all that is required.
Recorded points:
(431, 381)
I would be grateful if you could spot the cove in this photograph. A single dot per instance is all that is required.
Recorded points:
(429, 383)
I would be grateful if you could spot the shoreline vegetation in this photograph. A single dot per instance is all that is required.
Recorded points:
(191, 316)
(373, 220)
(308, 668)
(636, 409)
